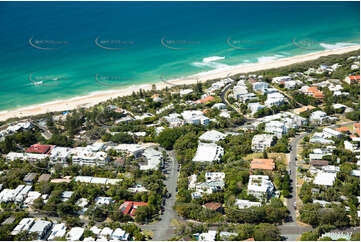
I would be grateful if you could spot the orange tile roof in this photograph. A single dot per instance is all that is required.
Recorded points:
(213, 206)
(263, 164)
(249, 239)
(303, 109)
(155, 96)
(358, 131)
(205, 100)
(357, 125)
(354, 77)
(343, 129)
(313, 89)
(318, 94)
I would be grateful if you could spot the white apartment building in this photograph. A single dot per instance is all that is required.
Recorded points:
(277, 128)
(208, 152)
(261, 142)
(260, 186)
(195, 117)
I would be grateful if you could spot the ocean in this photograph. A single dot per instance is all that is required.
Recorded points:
(58, 50)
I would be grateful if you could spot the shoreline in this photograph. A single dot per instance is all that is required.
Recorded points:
(101, 96)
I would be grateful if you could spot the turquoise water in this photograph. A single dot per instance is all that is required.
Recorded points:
(71, 49)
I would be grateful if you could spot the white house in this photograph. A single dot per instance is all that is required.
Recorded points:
(58, 231)
(259, 86)
(219, 106)
(212, 136)
(328, 133)
(274, 99)
(276, 127)
(242, 204)
(41, 227)
(75, 234)
(318, 117)
(209, 236)
(260, 186)
(120, 234)
(24, 225)
(325, 178)
(208, 152)
(85, 156)
(261, 142)
(255, 107)
(60, 154)
(195, 117)
(280, 79)
(153, 157)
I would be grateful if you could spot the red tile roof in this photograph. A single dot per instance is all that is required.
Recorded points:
(205, 100)
(39, 149)
(129, 207)
(263, 164)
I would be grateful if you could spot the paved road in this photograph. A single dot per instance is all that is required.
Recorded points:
(291, 230)
(163, 230)
(293, 169)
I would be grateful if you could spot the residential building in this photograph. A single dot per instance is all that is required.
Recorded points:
(212, 136)
(60, 155)
(260, 186)
(214, 176)
(174, 120)
(352, 79)
(209, 236)
(130, 207)
(24, 225)
(259, 86)
(75, 234)
(195, 117)
(120, 234)
(208, 152)
(277, 128)
(100, 201)
(217, 207)
(255, 107)
(39, 149)
(328, 133)
(262, 164)
(281, 79)
(325, 178)
(131, 149)
(243, 204)
(41, 227)
(97, 180)
(154, 159)
(44, 178)
(274, 99)
(29, 178)
(26, 156)
(66, 195)
(260, 142)
(32, 195)
(85, 156)
(319, 117)
(219, 106)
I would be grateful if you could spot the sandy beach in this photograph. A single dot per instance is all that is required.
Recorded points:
(95, 98)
